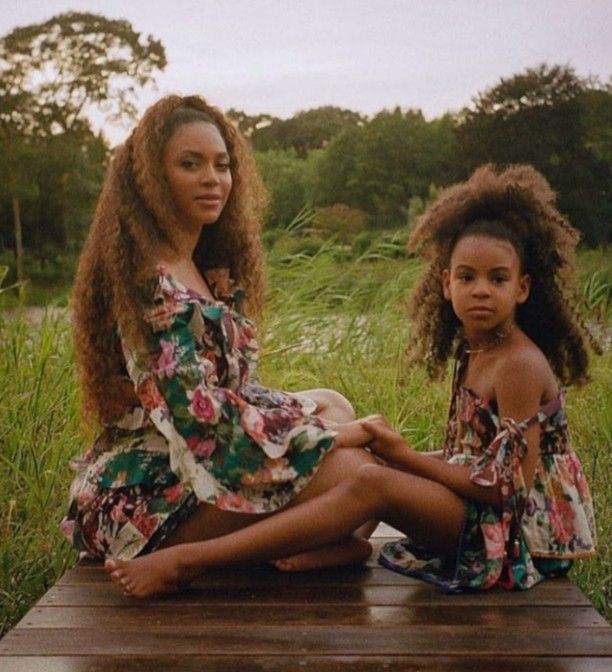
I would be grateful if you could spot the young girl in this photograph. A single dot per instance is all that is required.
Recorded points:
(508, 502)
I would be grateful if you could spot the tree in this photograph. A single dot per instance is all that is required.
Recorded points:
(380, 166)
(52, 75)
(546, 116)
(250, 124)
(74, 62)
(305, 131)
(285, 178)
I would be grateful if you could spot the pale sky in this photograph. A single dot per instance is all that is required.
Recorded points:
(283, 56)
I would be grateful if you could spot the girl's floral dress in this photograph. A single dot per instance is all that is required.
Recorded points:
(205, 430)
(533, 534)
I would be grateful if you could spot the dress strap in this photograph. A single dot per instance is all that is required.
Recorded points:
(548, 410)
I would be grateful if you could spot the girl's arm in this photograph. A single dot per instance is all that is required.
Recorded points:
(389, 445)
(518, 391)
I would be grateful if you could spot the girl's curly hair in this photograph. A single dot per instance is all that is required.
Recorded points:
(135, 212)
(518, 205)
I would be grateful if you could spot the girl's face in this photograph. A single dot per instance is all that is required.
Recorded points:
(484, 283)
(196, 164)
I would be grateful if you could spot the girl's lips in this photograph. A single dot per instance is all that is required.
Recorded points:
(208, 199)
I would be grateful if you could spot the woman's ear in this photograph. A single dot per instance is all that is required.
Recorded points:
(524, 288)
(446, 284)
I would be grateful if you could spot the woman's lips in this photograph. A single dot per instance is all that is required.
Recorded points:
(209, 200)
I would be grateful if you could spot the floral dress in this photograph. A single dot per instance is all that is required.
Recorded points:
(533, 534)
(205, 430)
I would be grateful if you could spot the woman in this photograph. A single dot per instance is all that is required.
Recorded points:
(193, 447)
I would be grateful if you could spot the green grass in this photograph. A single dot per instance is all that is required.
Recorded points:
(330, 322)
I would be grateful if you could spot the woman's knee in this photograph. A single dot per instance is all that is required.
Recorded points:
(371, 482)
(332, 405)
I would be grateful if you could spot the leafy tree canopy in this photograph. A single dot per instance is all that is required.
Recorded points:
(51, 72)
(305, 131)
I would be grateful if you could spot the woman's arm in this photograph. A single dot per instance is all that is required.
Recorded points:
(178, 383)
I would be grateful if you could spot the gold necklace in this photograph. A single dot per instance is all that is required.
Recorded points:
(498, 338)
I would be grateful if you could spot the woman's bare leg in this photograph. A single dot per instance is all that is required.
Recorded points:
(331, 405)
(208, 522)
(427, 511)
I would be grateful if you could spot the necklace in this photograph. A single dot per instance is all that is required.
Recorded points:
(497, 339)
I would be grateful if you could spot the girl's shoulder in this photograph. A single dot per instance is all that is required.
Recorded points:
(523, 367)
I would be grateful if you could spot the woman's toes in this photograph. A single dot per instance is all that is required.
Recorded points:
(110, 566)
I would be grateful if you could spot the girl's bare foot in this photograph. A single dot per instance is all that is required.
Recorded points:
(160, 572)
(347, 552)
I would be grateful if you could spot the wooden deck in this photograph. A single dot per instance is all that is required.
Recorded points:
(258, 619)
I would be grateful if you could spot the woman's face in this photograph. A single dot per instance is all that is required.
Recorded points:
(197, 168)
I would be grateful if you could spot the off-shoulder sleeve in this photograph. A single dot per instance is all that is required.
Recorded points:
(190, 386)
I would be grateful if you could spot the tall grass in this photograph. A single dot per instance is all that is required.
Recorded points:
(331, 321)
(38, 434)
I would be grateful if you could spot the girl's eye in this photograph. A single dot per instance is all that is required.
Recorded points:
(223, 166)
(499, 280)
(188, 164)
(465, 277)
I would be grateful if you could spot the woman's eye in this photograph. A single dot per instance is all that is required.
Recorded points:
(223, 166)
(187, 163)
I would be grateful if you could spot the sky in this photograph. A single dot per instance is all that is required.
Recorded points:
(282, 56)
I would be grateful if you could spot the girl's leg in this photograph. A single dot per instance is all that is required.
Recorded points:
(427, 511)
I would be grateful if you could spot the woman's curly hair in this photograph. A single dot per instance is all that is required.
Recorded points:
(135, 213)
(516, 204)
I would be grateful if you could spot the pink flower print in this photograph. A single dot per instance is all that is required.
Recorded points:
(174, 493)
(279, 469)
(577, 477)
(494, 540)
(246, 336)
(226, 395)
(166, 362)
(253, 424)
(117, 513)
(561, 516)
(84, 498)
(201, 447)
(232, 501)
(149, 395)
(161, 317)
(145, 524)
(203, 406)
(67, 528)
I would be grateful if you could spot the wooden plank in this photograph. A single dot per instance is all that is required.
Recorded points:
(305, 664)
(134, 616)
(455, 640)
(266, 576)
(550, 593)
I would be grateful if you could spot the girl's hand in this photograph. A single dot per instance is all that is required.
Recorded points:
(386, 443)
(351, 434)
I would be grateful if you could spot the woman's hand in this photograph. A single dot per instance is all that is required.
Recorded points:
(386, 443)
(351, 434)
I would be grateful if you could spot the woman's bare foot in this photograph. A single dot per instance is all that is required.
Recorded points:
(346, 552)
(159, 572)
